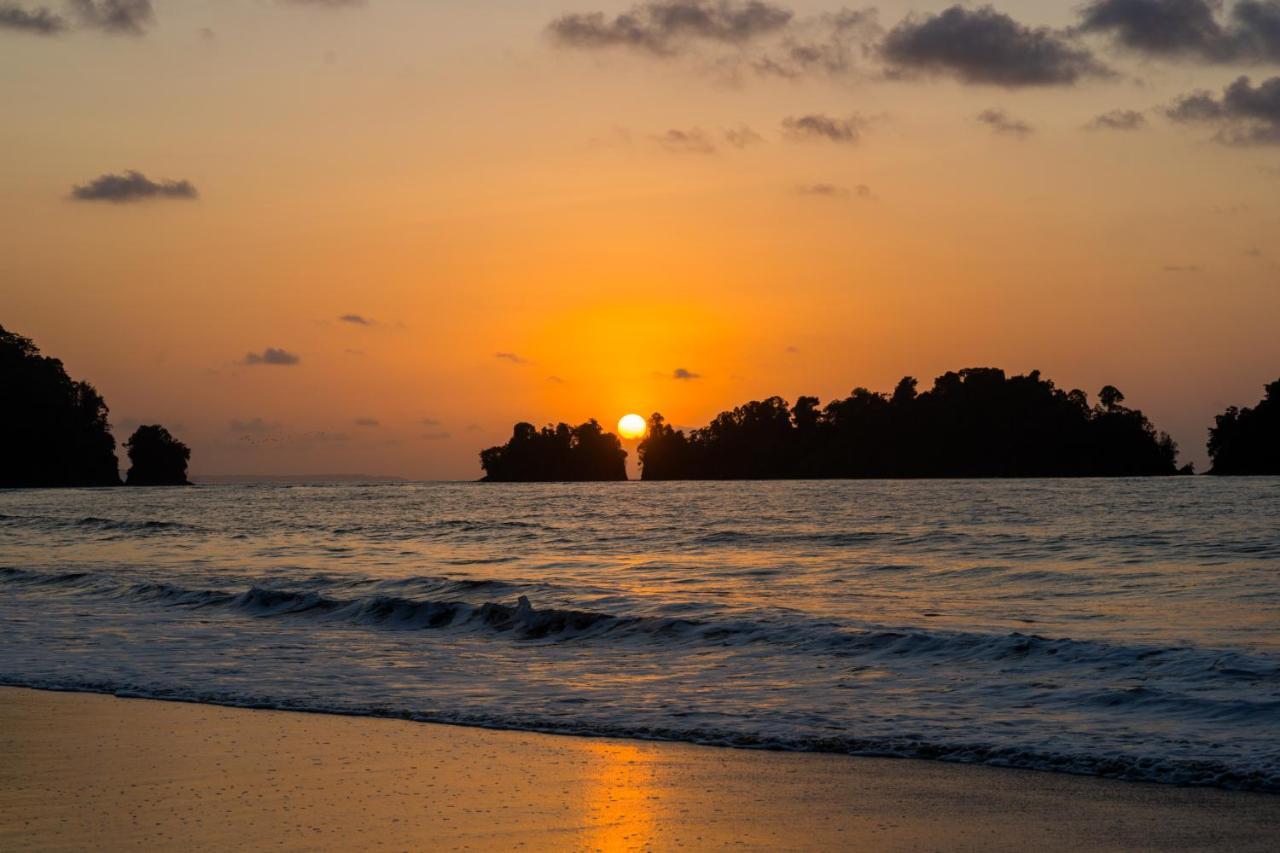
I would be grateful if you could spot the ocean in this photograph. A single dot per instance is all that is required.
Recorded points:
(1119, 628)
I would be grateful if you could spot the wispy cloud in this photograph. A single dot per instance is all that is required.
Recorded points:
(1118, 120)
(684, 375)
(1002, 122)
(512, 357)
(819, 126)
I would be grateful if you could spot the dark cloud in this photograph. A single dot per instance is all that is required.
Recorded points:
(662, 27)
(131, 186)
(367, 422)
(819, 126)
(512, 357)
(830, 44)
(1195, 29)
(986, 46)
(1118, 120)
(1244, 115)
(682, 374)
(38, 21)
(694, 141)
(556, 379)
(128, 17)
(356, 319)
(1002, 122)
(274, 356)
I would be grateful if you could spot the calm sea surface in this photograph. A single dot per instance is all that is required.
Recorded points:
(1124, 628)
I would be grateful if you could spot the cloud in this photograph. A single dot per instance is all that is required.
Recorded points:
(684, 375)
(986, 46)
(253, 426)
(1002, 122)
(1244, 115)
(512, 357)
(129, 187)
(833, 191)
(663, 27)
(1190, 29)
(556, 379)
(367, 422)
(433, 436)
(695, 141)
(430, 422)
(272, 355)
(742, 136)
(819, 126)
(829, 43)
(39, 21)
(356, 319)
(126, 17)
(792, 350)
(1118, 120)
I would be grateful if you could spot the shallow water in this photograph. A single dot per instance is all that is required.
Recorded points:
(1125, 628)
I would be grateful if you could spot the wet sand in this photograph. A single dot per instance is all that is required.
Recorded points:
(83, 771)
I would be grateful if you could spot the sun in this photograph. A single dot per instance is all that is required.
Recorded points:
(631, 426)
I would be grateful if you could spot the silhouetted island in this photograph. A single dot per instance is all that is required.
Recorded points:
(158, 459)
(54, 430)
(976, 422)
(562, 452)
(973, 423)
(1247, 441)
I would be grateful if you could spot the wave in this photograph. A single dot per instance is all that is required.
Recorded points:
(1010, 653)
(1264, 778)
(90, 522)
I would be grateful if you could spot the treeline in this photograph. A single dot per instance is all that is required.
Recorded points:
(54, 431)
(561, 452)
(976, 422)
(1247, 441)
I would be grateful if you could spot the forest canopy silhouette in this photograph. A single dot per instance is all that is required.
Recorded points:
(976, 422)
(555, 453)
(1247, 441)
(54, 430)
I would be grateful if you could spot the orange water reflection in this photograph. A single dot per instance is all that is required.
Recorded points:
(622, 798)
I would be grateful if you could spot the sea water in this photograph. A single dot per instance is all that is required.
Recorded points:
(1123, 628)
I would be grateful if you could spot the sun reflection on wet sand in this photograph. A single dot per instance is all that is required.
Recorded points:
(622, 798)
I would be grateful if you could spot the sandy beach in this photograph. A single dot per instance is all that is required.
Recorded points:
(85, 771)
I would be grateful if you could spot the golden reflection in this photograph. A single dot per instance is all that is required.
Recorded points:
(621, 798)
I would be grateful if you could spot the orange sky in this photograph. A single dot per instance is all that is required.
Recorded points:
(471, 186)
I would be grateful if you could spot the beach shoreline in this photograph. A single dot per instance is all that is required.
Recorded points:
(143, 773)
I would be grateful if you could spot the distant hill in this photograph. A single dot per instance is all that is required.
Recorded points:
(295, 479)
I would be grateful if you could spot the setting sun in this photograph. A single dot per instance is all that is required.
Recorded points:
(631, 426)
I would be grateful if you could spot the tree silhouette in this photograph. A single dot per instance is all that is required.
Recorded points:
(555, 453)
(157, 458)
(976, 422)
(53, 430)
(1247, 441)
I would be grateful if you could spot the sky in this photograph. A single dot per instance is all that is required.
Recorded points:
(316, 236)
